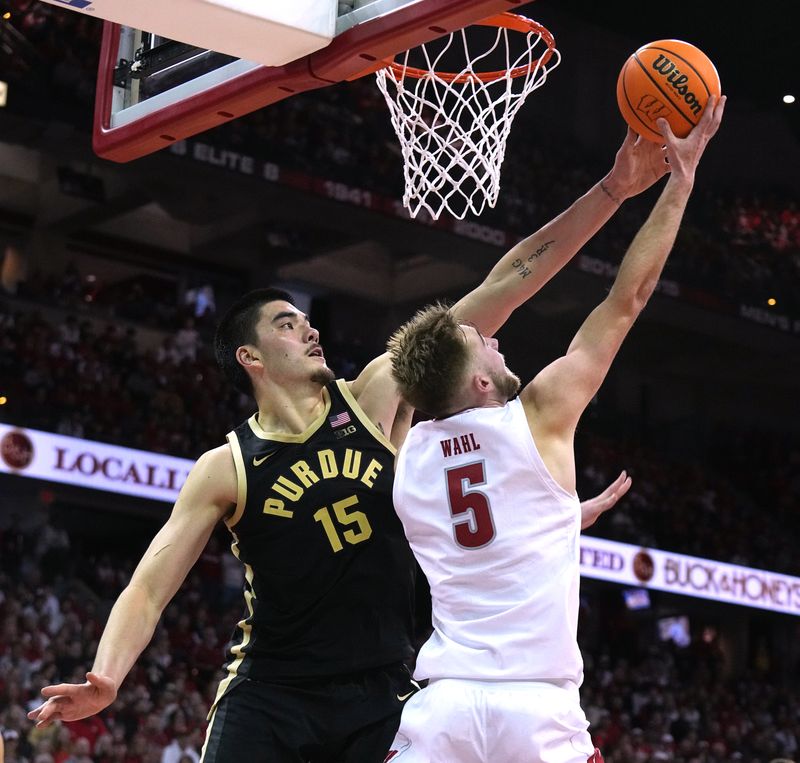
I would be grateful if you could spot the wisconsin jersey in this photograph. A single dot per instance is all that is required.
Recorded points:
(497, 538)
(329, 575)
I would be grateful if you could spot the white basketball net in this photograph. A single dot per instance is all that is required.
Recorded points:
(453, 133)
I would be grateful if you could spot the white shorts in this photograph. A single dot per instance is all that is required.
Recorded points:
(465, 721)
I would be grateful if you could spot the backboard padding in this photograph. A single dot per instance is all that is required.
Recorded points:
(355, 50)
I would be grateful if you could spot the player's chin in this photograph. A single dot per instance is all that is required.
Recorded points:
(323, 375)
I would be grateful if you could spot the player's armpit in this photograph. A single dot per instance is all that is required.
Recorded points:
(375, 391)
(402, 423)
(561, 391)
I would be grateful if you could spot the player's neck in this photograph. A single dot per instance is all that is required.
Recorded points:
(289, 409)
(471, 399)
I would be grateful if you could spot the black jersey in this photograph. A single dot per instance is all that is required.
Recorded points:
(329, 574)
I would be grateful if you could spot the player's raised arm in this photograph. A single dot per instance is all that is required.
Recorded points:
(208, 494)
(526, 267)
(561, 391)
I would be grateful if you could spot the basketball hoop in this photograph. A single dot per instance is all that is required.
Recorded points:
(453, 125)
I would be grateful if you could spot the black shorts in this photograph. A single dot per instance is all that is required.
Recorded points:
(345, 719)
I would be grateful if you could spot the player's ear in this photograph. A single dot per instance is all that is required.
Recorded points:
(248, 356)
(481, 383)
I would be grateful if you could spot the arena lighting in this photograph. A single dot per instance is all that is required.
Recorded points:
(3, 399)
(772, 301)
(788, 99)
(3, 93)
(6, 15)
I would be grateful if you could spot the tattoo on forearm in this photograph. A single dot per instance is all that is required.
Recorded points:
(541, 250)
(521, 268)
(519, 264)
(610, 195)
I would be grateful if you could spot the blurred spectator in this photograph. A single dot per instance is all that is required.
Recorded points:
(181, 747)
(11, 741)
(81, 750)
(187, 341)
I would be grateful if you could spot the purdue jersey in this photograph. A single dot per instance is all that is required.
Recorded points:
(329, 574)
(497, 538)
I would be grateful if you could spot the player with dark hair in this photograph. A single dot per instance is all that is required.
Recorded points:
(486, 494)
(317, 667)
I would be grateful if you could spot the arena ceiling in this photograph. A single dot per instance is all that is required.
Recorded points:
(165, 207)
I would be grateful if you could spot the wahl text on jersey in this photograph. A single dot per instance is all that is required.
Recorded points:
(455, 446)
(303, 476)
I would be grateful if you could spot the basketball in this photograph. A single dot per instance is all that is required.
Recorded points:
(667, 78)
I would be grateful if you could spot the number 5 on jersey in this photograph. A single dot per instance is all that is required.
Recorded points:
(473, 526)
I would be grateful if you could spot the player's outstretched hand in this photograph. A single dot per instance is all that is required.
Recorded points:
(71, 702)
(592, 508)
(683, 154)
(639, 163)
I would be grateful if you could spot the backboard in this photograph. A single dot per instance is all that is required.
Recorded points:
(153, 90)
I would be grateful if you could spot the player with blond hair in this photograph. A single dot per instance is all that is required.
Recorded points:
(486, 494)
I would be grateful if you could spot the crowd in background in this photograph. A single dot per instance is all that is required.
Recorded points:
(83, 371)
(647, 700)
(92, 380)
(83, 380)
(736, 506)
(55, 592)
(46, 50)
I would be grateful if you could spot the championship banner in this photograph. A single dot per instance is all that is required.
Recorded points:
(688, 575)
(72, 461)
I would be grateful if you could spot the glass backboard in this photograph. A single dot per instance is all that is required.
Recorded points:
(153, 90)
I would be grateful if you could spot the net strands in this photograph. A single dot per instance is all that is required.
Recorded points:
(453, 127)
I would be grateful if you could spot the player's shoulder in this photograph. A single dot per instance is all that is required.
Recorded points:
(217, 467)
(216, 458)
(212, 485)
(378, 369)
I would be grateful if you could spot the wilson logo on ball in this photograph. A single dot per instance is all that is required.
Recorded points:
(653, 108)
(667, 68)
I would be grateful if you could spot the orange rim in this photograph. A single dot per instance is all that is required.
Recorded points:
(512, 21)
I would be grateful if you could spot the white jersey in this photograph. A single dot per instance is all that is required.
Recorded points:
(497, 538)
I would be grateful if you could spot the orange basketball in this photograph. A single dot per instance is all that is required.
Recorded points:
(666, 78)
